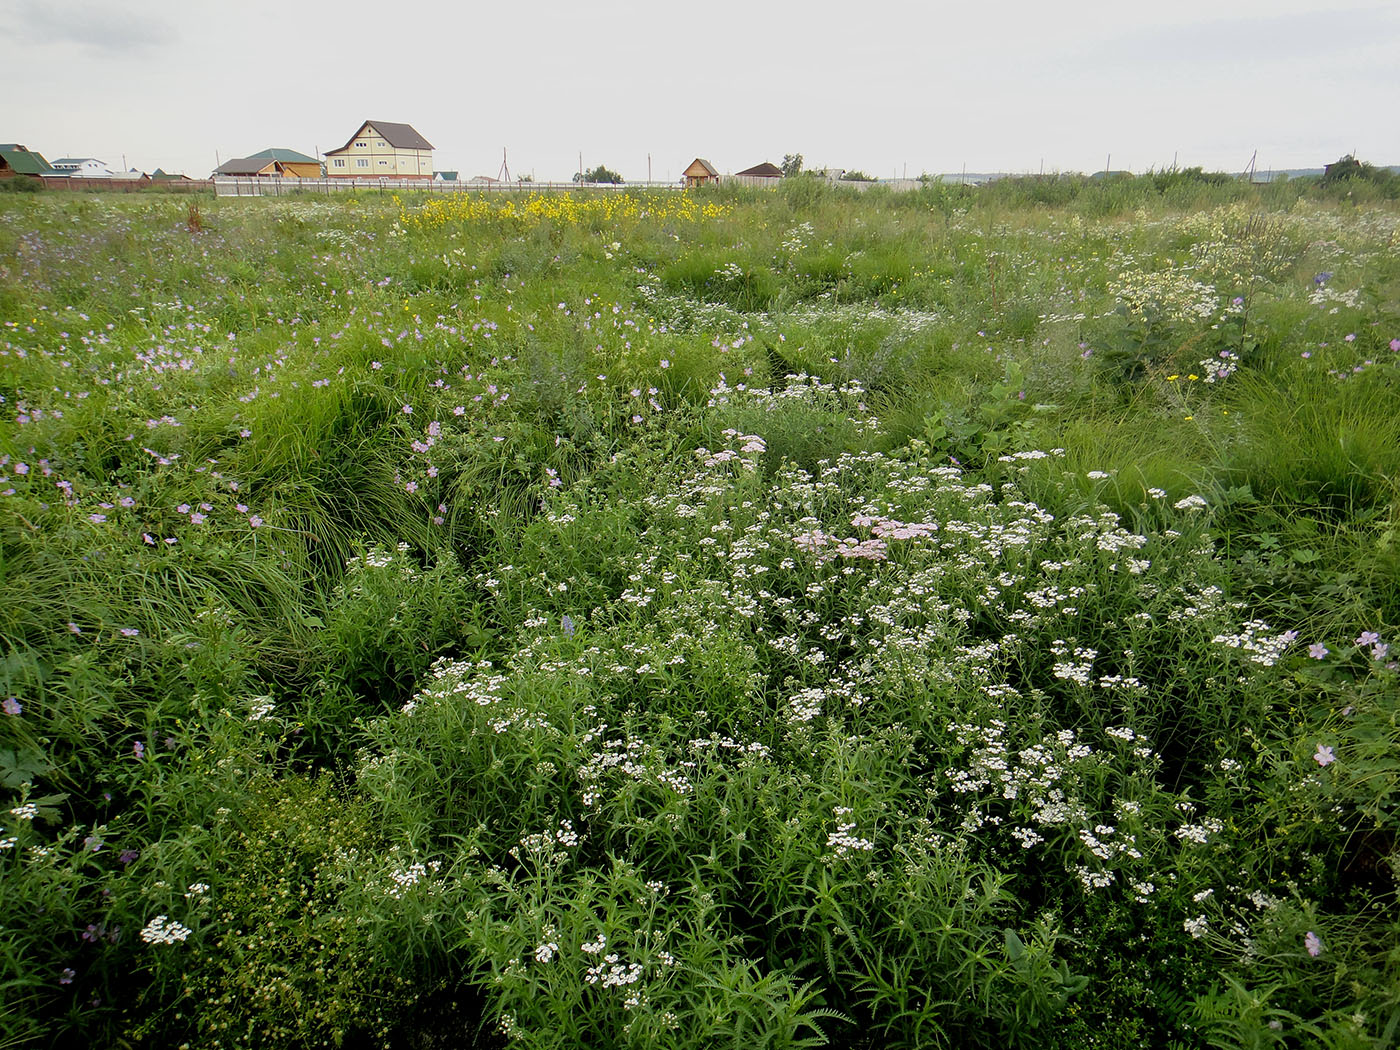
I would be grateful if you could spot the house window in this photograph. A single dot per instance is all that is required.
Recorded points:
(362, 163)
(339, 163)
(361, 145)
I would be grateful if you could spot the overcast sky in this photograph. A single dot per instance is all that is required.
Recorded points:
(887, 88)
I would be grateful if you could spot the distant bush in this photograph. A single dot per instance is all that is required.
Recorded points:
(600, 174)
(1347, 171)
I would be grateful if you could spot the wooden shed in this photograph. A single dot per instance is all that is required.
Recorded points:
(699, 173)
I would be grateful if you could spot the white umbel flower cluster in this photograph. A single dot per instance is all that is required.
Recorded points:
(161, 930)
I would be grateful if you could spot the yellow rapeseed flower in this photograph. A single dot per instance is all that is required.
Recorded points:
(562, 208)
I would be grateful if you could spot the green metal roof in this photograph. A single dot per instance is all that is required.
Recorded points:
(284, 155)
(26, 162)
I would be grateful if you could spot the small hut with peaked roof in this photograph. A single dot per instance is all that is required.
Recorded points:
(700, 172)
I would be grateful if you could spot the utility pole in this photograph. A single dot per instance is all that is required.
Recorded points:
(648, 169)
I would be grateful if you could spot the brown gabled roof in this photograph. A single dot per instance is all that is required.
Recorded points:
(708, 168)
(400, 136)
(244, 166)
(765, 170)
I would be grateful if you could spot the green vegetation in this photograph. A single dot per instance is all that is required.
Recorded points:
(600, 174)
(961, 617)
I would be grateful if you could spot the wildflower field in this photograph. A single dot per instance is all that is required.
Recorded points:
(963, 618)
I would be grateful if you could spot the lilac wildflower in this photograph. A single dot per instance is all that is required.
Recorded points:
(129, 632)
(138, 749)
(1313, 943)
(11, 706)
(128, 856)
(1317, 650)
(66, 977)
(1367, 638)
(1324, 755)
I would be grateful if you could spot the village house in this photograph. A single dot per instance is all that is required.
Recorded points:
(273, 163)
(81, 168)
(382, 150)
(20, 160)
(699, 173)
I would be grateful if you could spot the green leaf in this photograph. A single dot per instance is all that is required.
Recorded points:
(22, 767)
(1015, 948)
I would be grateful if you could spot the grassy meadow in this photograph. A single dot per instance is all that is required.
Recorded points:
(959, 618)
